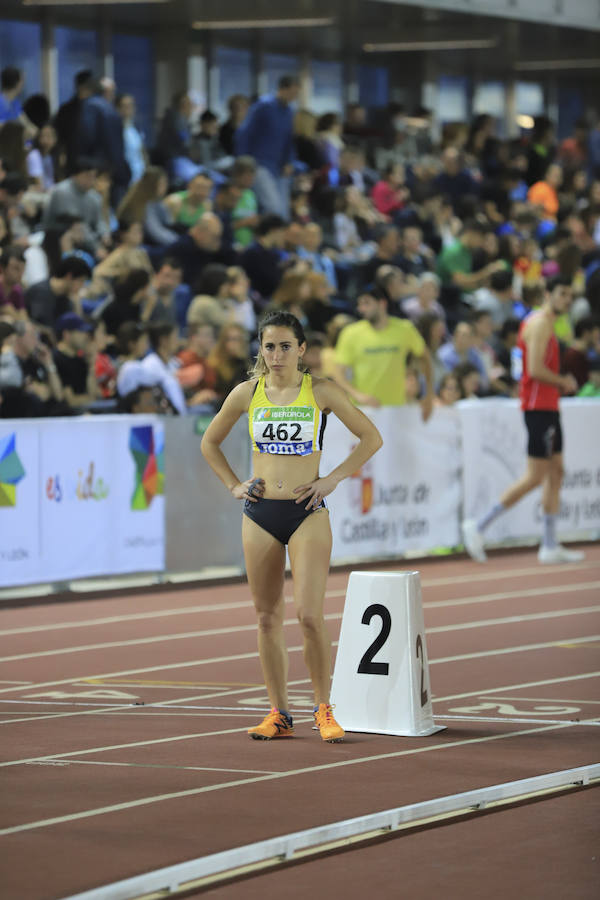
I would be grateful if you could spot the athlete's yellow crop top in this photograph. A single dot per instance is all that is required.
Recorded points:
(294, 430)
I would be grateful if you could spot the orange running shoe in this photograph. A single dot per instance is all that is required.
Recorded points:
(329, 728)
(275, 725)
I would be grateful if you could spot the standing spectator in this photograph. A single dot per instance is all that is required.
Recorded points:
(245, 213)
(11, 86)
(375, 351)
(12, 296)
(75, 198)
(576, 359)
(47, 300)
(67, 121)
(101, 136)
(238, 110)
(75, 357)
(160, 364)
(262, 260)
(267, 135)
(174, 136)
(133, 142)
(40, 159)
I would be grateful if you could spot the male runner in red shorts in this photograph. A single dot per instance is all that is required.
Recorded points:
(539, 390)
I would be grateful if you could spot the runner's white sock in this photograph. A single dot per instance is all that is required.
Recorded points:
(549, 539)
(489, 517)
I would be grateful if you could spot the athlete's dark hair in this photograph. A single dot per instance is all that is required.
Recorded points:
(278, 319)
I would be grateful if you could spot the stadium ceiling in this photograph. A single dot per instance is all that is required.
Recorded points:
(486, 36)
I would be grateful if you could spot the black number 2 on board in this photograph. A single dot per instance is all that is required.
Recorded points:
(424, 695)
(366, 665)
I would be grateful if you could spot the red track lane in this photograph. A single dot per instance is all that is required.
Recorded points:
(76, 761)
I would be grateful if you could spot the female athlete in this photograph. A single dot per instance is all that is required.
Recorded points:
(284, 504)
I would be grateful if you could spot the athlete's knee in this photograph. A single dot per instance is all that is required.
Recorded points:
(268, 621)
(310, 623)
(557, 472)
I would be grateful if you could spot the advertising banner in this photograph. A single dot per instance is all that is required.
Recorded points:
(494, 442)
(407, 496)
(80, 498)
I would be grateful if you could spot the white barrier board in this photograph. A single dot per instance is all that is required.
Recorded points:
(80, 498)
(494, 442)
(407, 496)
(381, 677)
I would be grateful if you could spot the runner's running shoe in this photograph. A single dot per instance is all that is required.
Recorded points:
(559, 554)
(329, 728)
(473, 540)
(275, 725)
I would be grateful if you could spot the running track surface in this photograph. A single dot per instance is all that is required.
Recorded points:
(97, 787)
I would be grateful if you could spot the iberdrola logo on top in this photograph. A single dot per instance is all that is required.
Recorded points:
(11, 470)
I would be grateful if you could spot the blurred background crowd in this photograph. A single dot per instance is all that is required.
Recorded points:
(133, 276)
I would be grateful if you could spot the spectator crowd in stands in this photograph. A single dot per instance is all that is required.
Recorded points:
(133, 276)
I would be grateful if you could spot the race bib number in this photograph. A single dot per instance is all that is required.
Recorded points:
(284, 429)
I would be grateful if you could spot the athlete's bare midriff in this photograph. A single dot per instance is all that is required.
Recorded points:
(285, 471)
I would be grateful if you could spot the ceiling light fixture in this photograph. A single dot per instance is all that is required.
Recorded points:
(525, 121)
(410, 46)
(225, 24)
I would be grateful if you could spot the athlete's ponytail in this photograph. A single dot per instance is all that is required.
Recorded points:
(280, 319)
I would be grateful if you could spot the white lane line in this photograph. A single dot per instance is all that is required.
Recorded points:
(516, 687)
(236, 629)
(242, 604)
(524, 648)
(94, 762)
(550, 700)
(178, 795)
(513, 595)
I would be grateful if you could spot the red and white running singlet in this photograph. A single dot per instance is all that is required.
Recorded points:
(539, 394)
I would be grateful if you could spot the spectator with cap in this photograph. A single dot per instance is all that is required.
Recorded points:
(47, 300)
(12, 295)
(75, 198)
(161, 364)
(67, 120)
(267, 135)
(371, 356)
(75, 357)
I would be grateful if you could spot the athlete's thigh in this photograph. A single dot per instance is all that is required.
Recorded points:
(310, 552)
(538, 468)
(265, 565)
(556, 467)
